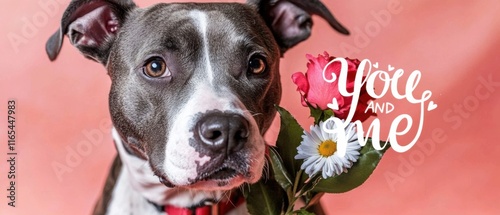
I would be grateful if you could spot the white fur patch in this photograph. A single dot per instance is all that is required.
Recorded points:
(126, 200)
(200, 19)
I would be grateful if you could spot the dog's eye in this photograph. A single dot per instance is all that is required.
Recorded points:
(156, 68)
(256, 65)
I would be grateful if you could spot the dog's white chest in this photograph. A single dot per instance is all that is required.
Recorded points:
(126, 200)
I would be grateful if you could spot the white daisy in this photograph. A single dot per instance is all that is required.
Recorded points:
(319, 149)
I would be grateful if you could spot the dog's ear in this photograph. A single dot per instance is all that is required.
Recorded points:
(91, 26)
(290, 20)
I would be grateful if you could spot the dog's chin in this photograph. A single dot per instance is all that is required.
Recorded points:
(212, 183)
(224, 178)
(220, 179)
(219, 184)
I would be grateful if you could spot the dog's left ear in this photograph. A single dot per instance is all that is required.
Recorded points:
(91, 26)
(290, 20)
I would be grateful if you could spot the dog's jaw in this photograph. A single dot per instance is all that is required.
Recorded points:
(142, 179)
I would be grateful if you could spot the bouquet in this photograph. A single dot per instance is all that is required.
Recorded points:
(333, 156)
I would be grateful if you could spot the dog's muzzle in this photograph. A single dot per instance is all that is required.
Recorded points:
(222, 136)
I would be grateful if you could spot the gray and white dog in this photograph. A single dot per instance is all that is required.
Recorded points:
(193, 92)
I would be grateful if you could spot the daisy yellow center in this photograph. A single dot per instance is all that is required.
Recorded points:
(327, 148)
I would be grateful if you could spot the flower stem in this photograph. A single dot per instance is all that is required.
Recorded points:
(297, 180)
(293, 197)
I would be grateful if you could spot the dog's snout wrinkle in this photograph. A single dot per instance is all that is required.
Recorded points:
(222, 132)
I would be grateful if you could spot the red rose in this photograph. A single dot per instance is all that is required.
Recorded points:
(319, 93)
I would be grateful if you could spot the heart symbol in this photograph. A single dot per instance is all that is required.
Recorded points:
(390, 68)
(334, 105)
(432, 106)
(375, 65)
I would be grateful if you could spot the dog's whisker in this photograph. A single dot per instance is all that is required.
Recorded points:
(266, 170)
(257, 114)
(243, 187)
(252, 113)
(227, 195)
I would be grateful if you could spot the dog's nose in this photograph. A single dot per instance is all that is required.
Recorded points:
(223, 133)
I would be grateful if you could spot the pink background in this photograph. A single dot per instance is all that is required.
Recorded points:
(453, 43)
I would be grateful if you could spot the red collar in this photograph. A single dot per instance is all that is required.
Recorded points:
(220, 208)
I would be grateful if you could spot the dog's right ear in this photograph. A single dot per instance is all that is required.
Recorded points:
(290, 20)
(91, 26)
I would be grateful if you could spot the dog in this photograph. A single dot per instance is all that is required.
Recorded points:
(193, 92)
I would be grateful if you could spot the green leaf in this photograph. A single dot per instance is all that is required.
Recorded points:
(303, 212)
(320, 115)
(327, 114)
(263, 198)
(316, 113)
(289, 139)
(280, 173)
(357, 174)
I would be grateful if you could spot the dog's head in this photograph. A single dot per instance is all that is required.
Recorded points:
(193, 85)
